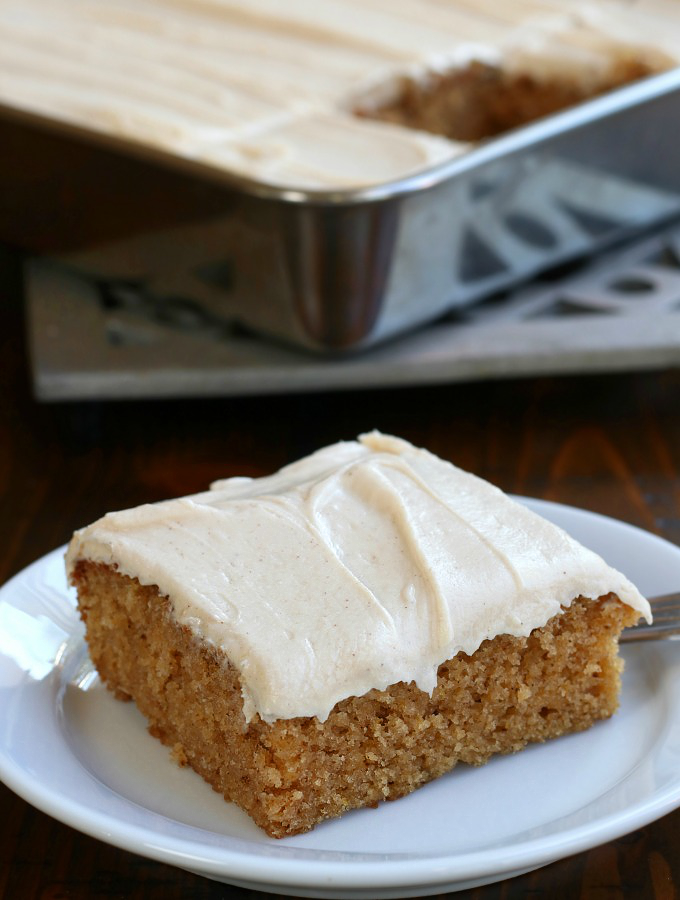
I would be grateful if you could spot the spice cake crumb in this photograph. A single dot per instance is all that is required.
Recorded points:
(291, 774)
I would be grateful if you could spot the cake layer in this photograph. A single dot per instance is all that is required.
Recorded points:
(267, 90)
(482, 101)
(294, 773)
(368, 563)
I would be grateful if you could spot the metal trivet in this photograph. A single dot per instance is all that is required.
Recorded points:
(112, 339)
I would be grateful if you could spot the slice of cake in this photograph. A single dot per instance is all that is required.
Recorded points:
(349, 628)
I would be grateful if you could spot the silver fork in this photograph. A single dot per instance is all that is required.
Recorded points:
(666, 624)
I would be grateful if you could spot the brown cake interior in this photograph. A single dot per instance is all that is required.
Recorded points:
(480, 100)
(293, 773)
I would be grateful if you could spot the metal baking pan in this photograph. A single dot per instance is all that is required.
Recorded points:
(344, 270)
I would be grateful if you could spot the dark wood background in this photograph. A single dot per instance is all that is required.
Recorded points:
(606, 443)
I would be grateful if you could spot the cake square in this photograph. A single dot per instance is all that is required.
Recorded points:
(349, 628)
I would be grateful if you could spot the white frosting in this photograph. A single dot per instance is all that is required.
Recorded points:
(264, 88)
(365, 564)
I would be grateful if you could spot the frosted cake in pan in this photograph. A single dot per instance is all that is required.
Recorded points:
(327, 95)
(349, 628)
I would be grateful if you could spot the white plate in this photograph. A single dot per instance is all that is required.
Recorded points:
(73, 751)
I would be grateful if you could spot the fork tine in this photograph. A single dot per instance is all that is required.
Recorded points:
(665, 601)
(668, 616)
(653, 632)
(666, 624)
(666, 607)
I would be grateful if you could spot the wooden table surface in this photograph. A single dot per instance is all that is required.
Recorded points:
(606, 443)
